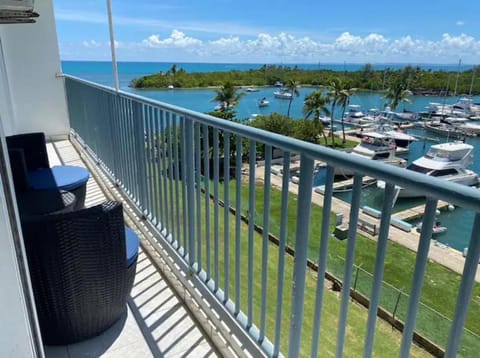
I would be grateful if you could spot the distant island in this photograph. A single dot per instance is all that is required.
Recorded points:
(422, 82)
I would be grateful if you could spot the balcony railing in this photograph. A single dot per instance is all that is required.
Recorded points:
(195, 177)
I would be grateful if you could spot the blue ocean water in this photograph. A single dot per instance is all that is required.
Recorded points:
(458, 222)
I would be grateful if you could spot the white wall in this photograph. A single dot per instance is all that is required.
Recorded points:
(32, 62)
(17, 327)
(15, 330)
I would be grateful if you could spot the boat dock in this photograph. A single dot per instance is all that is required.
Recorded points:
(345, 184)
(417, 211)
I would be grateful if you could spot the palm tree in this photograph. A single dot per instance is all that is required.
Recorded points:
(292, 87)
(340, 95)
(343, 100)
(228, 96)
(334, 94)
(397, 93)
(315, 103)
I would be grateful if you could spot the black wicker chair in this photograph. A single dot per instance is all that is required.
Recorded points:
(35, 145)
(19, 170)
(36, 202)
(36, 167)
(80, 274)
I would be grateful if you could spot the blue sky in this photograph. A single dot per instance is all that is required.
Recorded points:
(263, 31)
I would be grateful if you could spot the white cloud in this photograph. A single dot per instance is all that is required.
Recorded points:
(460, 23)
(91, 44)
(176, 39)
(285, 47)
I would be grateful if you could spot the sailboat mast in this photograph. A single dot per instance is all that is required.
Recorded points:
(473, 80)
(446, 90)
(458, 75)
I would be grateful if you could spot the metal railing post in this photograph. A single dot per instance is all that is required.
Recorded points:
(418, 275)
(301, 246)
(189, 159)
(349, 261)
(379, 267)
(465, 290)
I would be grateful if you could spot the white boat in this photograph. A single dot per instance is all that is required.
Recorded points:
(263, 102)
(470, 128)
(282, 94)
(252, 89)
(445, 130)
(278, 84)
(170, 87)
(372, 117)
(467, 106)
(377, 148)
(455, 120)
(253, 116)
(386, 130)
(325, 120)
(222, 106)
(447, 161)
(435, 109)
(463, 108)
(354, 114)
(437, 228)
(406, 115)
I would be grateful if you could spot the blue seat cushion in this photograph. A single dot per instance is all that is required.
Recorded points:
(64, 177)
(132, 243)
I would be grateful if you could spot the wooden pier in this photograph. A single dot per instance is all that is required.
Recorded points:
(417, 211)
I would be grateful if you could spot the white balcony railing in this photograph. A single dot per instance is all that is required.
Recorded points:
(184, 171)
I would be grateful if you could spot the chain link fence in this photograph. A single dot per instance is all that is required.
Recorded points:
(430, 323)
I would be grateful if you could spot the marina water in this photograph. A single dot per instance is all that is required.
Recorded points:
(458, 222)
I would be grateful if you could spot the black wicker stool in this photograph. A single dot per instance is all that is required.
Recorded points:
(62, 177)
(41, 202)
(79, 271)
(31, 168)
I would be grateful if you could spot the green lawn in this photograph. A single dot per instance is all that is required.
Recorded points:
(439, 291)
(440, 285)
(387, 340)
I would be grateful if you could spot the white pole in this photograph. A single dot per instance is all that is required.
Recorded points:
(458, 74)
(112, 45)
(473, 80)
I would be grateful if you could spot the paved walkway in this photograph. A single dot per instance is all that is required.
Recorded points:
(440, 253)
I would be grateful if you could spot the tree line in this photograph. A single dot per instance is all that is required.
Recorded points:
(367, 78)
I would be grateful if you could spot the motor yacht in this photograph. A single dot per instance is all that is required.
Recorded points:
(282, 94)
(406, 115)
(386, 130)
(467, 106)
(447, 161)
(470, 128)
(354, 114)
(377, 148)
(445, 130)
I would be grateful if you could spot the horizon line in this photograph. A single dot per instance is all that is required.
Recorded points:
(282, 63)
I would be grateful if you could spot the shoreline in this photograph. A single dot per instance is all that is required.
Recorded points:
(418, 93)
